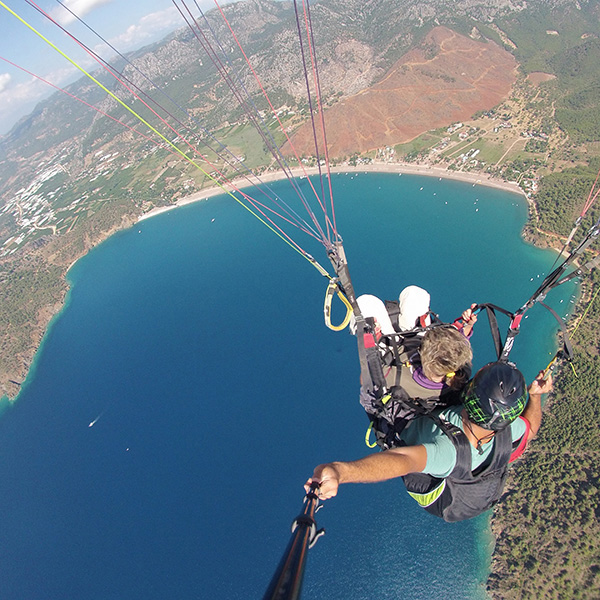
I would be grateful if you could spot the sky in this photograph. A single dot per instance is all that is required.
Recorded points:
(126, 24)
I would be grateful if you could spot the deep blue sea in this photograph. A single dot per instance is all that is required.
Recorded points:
(195, 341)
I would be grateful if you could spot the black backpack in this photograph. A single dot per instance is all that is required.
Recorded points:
(464, 493)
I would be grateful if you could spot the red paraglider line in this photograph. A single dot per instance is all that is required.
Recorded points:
(252, 113)
(223, 177)
(264, 92)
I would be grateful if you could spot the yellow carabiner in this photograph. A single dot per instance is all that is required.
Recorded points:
(552, 365)
(368, 435)
(331, 289)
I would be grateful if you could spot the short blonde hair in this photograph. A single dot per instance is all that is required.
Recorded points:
(444, 350)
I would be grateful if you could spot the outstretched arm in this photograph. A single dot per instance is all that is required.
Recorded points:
(392, 463)
(533, 410)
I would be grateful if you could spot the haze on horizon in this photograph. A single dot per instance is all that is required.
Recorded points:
(125, 25)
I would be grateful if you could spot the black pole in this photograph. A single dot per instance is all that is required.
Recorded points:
(287, 580)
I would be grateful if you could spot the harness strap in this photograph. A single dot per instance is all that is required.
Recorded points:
(364, 338)
(522, 443)
(371, 370)
(463, 468)
(567, 347)
(457, 436)
(374, 366)
(586, 268)
(495, 329)
(502, 350)
(554, 279)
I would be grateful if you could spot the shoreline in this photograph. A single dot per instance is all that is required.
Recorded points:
(374, 167)
(490, 534)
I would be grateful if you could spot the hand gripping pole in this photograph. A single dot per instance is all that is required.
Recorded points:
(287, 580)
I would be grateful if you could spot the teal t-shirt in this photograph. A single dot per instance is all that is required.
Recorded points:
(441, 454)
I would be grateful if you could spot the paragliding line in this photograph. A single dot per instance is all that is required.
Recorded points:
(250, 109)
(171, 144)
(276, 115)
(317, 85)
(588, 203)
(229, 159)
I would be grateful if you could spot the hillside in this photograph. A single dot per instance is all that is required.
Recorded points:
(445, 79)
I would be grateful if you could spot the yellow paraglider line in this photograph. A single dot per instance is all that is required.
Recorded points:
(310, 259)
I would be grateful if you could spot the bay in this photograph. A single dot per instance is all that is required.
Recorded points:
(194, 342)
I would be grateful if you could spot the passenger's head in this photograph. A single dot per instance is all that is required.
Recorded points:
(444, 351)
(496, 396)
(413, 304)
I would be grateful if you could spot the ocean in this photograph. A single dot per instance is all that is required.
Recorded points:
(194, 342)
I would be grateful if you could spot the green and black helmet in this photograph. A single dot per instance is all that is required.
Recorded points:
(496, 396)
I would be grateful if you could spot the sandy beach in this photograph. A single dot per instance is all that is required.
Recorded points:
(374, 167)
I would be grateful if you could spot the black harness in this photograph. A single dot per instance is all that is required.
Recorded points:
(388, 404)
(465, 493)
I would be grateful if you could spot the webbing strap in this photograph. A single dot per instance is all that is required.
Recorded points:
(374, 365)
(361, 333)
(464, 464)
(568, 348)
(554, 279)
(502, 350)
(371, 369)
(592, 264)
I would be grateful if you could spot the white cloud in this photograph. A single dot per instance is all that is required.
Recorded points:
(4, 81)
(63, 75)
(31, 90)
(79, 7)
(16, 98)
(148, 28)
(28, 91)
(20, 98)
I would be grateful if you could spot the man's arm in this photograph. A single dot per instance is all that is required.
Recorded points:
(533, 410)
(392, 463)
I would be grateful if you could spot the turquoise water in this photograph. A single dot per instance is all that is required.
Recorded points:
(198, 348)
